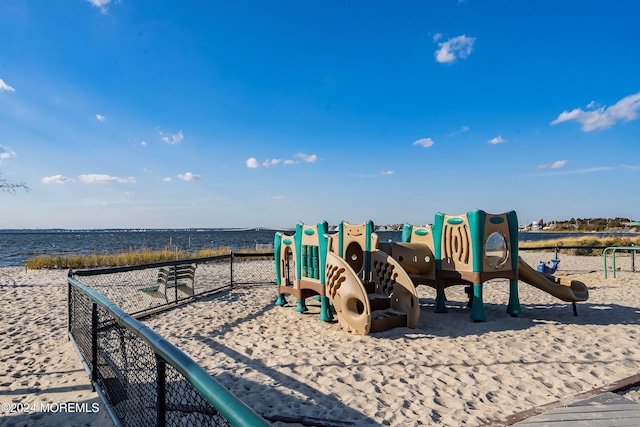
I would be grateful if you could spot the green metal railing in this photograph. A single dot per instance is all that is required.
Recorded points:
(112, 345)
(613, 250)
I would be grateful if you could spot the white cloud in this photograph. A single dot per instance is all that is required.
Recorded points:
(188, 176)
(555, 165)
(5, 153)
(5, 87)
(574, 171)
(424, 142)
(252, 163)
(389, 172)
(456, 48)
(279, 197)
(96, 178)
(463, 129)
(167, 179)
(143, 143)
(172, 138)
(604, 117)
(437, 36)
(100, 4)
(308, 158)
(497, 140)
(100, 117)
(272, 162)
(56, 179)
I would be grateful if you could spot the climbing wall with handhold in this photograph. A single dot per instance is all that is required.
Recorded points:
(354, 244)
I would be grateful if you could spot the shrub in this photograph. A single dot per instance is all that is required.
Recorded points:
(79, 261)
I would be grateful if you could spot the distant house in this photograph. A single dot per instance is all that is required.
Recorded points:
(537, 225)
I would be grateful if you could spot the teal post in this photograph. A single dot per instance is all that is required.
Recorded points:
(315, 268)
(315, 261)
(298, 240)
(277, 245)
(513, 308)
(407, 229)
(477, 306)
(301, 260)
(367, 250)
(301, 307)
(512, 220)
(477, 220)
(323, 247)
(441, 299)
(438, 223)
(326, 315)
(281, 301)
(303, 255)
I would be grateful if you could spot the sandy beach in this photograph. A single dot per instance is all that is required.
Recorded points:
(448, 371)
(39, 367)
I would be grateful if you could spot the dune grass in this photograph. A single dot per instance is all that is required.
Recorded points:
(78, 261)
(583, 245)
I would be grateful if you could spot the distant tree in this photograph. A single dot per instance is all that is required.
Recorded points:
(11, 187)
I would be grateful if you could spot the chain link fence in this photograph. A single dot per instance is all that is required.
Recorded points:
(147, 288)
(143, 379)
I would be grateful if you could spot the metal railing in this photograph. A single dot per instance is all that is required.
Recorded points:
(574, 259)
(143, 379)
(613, 250)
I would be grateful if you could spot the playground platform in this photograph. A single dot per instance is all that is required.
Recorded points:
(601, 407)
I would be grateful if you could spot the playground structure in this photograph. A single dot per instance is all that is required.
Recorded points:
(372, 284)
(469, 250)
(368, 289)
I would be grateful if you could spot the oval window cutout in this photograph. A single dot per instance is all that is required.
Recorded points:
(496, 251)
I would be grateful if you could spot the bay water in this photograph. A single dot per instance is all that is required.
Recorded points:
(16, 246)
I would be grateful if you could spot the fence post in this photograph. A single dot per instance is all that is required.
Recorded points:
(94, 345)
(557, 251)
(161, 371)
(231, 272)
(69, 309)
(175, 281)
(633, 260)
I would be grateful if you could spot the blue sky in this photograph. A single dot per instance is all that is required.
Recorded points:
(138, 113)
